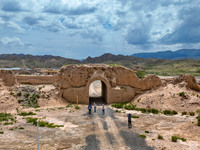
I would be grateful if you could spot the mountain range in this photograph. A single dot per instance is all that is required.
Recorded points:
(179, 54)
(139, 59)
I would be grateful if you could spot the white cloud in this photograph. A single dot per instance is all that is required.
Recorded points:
(129, 25)
(14, 40)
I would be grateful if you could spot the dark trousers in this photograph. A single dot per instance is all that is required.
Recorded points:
(129, 124)
(94, 109)
(103, 111)
(89, 111)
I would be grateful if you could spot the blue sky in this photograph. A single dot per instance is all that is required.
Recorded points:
(81, 28)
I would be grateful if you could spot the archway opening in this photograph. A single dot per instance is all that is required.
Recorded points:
(97, 92)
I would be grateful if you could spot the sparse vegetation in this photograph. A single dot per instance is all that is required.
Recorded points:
(41, 123)
(142, 136)
(169, 112)
(175, 138)
(19, 94)
(191, 113)
(69, 105)
(160, 137)
(77, 107)
(114, 65)
(6, 117)
(129, 107)
(21, 128)
(27, 114)
(30, 100)
(184, 113)
(118, 111)
(134, 116)
(153, 111)
(26, 95)
(8, 123)
(146, 131)
(198, 120)
(140, 74)
(118, 105)
(182, 94)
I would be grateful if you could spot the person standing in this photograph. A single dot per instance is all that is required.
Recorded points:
(103, 109)
(95, 107)
(89, 108)
(129, 121)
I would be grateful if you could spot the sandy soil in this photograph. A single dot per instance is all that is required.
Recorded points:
(97, 131)
(167, 97)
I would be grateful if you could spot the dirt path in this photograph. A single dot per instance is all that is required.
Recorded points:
(111, 134)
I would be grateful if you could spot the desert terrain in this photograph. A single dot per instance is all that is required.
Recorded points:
(69, 126)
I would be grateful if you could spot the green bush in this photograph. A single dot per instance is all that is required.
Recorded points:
(153, 111)
(175, 138)
(77, 107)
(27, 114)
(134, 116)
(146, 131)
(32, 120)
(21, 128)
(181, 94)
(6, 117)
(19, 94)
(20, 100)
(26, 95)
(169, 112)
(191, 113)
(160, 137)
(69, 105)
(198, 122)
(140, 74)
(142, 136)
(130, 107)
(41, 123)
(1, 132)
(118, 111)
(118, 105)
(8, 123)
(198, 111)
(143, 110)
(184, 113)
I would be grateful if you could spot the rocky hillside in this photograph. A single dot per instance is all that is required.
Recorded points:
(180, 54)
(30, 61)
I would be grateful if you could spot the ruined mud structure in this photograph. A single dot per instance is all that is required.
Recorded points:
(119, 84)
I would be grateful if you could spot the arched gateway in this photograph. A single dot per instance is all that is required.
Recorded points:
(119, 83)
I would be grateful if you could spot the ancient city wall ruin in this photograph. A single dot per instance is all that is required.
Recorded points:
(121, 83)
(30, 79)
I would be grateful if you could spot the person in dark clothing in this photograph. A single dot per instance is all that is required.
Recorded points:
(95, 107)
(89, 108)
(103, 109)
(129, 120)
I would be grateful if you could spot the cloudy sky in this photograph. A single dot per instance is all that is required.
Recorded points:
(81, 28)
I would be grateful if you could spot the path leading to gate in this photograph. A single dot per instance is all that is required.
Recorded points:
(110, 133)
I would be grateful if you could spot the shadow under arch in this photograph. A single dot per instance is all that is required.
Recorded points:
(105, 89)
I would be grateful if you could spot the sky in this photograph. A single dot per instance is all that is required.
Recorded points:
(81, 28)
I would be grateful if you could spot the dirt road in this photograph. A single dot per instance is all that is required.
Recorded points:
(83, 131)
(109, 133)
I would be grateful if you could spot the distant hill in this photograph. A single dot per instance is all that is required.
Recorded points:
(107, 57)
(179, 54)
(34, 61)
